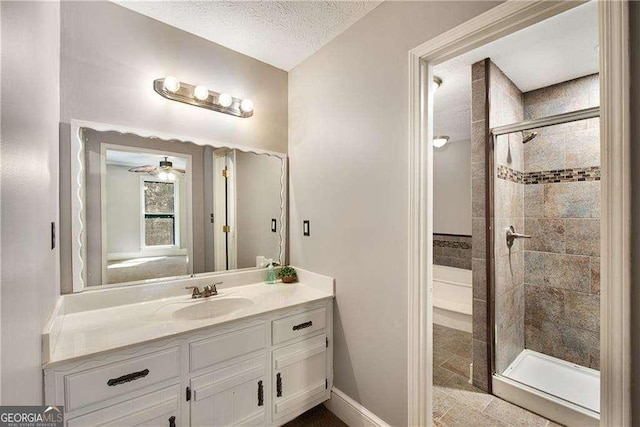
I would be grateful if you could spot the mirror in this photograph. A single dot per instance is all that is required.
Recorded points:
(153, 208)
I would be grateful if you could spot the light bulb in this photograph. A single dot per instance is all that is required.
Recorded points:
(246, 105)
(440, 141)
(171, 84)
(171, 176)
(201, 93)
(225, 100)
(162, 176)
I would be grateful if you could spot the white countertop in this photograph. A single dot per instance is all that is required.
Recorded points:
(86, 333)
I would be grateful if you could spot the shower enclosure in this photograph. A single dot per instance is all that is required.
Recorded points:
(544, 287)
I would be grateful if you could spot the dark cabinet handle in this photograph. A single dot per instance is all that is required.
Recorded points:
(278, 385)
(260, 394)
(128, 378)
(172, 421)
(303, 325)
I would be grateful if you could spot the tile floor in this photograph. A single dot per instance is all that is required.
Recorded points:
(458, 403)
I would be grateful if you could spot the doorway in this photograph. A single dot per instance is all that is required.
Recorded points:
(506, 19)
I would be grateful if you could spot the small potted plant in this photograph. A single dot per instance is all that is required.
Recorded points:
(288, 274)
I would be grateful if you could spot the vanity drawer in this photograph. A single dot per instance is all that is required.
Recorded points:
(153, 409)
(299, 325)
(211, 351)
(102, 383)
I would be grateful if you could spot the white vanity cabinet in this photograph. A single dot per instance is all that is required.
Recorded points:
(265, 370)
(230, 396)
(300, 374)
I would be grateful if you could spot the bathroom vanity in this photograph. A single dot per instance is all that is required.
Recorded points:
(254, 354)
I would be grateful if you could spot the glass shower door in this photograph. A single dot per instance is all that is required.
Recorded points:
(546, 240)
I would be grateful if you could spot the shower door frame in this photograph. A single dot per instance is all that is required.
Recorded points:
(498, 22)
(492, 138)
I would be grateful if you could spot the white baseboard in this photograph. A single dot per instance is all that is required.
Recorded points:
(351, 412)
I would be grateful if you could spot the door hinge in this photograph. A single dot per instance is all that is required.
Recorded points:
(226, 173)
(226, 229)
(326, 383)
(188, 394)
(327, 342)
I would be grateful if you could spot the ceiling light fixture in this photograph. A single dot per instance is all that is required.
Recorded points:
(437, 82)
(199, 96)
(440, 141)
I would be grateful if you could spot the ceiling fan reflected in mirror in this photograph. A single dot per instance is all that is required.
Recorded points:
(164, 171)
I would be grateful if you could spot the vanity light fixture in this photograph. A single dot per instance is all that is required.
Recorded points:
(199, 96)
(437, 82)
(225, 100)
(201, 93)
(171, 84)
(440, 141)
(246, 105)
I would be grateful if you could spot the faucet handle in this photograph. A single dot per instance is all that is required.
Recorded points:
(196, 291)
(212, 288)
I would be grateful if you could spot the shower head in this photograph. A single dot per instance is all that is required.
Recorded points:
(527, 138)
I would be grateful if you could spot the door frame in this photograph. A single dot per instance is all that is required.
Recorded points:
(615, 241)
(224, 205)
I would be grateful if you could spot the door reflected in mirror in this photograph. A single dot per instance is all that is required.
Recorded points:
(159, 209)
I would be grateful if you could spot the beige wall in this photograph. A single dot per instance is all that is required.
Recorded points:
(30, 66)
(258, 189)
(111, 56)
(452, 188)
(348, 144)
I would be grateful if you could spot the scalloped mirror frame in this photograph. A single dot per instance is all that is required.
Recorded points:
(78, 235)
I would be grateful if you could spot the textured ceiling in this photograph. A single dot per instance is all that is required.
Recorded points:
(280, 33)
(555, 50)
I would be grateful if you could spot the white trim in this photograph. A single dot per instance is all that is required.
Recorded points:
(351, 412)
(502, 20)
(78, 211)
(615, 241)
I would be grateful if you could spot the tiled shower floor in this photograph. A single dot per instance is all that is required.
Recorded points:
(458, 403)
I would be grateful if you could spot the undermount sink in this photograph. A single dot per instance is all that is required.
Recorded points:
(210, 308)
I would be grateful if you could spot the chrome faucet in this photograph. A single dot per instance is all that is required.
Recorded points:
(207, 291)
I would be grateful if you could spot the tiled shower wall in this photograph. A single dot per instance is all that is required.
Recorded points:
(479, 126)
(547, 288)
(562, 213)
(507, 106)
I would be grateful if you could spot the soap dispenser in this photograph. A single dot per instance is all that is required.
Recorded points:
(270, 275)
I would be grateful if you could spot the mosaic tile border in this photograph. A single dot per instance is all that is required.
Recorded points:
(451, 244)
(591, 173)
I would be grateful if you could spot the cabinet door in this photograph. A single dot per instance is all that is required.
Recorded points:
(300, 375)
(231, 396)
